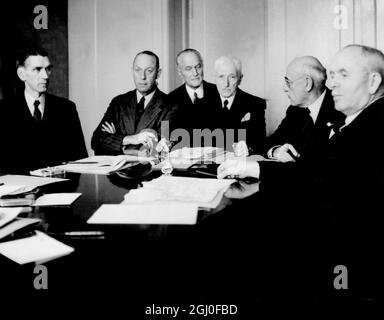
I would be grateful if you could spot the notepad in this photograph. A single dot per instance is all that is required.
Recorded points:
(153, 213)
(57, 199)
(39, 248)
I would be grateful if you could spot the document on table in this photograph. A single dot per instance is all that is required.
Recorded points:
(39, 248)
(56, 199)
(103, 164)
(203, 192)
(29, 182)
(146, 213)
(19, 223)
(8, 214)
(4, 190)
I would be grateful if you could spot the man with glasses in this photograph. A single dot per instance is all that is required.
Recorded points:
(309, 118)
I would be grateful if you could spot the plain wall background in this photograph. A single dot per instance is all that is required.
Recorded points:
(104, 36)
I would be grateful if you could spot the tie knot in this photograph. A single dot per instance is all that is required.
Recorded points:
(36, 103)
(225, 104)
(142, 101)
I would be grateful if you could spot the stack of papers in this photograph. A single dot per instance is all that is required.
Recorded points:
(205, 193)
(39, 248)
(197, 153)
(103, 164)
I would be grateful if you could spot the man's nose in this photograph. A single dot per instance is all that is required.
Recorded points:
(195, 72)
(44, 74)
(143, 75)
(285, 87)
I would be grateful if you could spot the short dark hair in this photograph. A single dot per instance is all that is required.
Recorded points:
(149, 53)
(23, 54)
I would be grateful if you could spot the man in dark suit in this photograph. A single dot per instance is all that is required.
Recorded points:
(41, 129)
(341, 202)
(195, 97)
(237, 109)
(307, 124)
(133, 120)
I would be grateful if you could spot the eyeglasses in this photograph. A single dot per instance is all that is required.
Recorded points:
(290, 82)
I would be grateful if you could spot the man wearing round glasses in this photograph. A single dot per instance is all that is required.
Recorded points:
(307, 124)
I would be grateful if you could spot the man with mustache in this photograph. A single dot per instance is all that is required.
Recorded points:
(306, 126)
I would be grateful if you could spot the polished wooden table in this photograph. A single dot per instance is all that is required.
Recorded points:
(149, 263)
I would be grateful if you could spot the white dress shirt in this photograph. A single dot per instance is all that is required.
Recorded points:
(230, 101)
(191, 92)
(147, 98)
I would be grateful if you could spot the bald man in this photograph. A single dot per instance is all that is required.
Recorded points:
(307, 124)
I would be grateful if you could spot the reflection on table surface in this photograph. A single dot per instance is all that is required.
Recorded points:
(138, 256)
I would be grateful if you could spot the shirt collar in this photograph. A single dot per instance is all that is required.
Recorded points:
(147, 98)
(191, 92)
(315, 106)
(230, 101)
(30, 102)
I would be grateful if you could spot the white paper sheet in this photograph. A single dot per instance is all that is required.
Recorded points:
(7, 189)
(8, 214)
(200, 191)
(38, 248)
(103, 164)
(29, 182)
(56, 199)
(16, 225)
(153, 213)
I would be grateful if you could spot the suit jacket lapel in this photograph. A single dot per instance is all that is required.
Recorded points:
(24, 111)
(153, 108)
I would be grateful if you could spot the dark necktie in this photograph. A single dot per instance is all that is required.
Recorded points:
(36, 111)
(225, 106)
(196, 98)
(309, 122)
(336, 126)
(139, 110)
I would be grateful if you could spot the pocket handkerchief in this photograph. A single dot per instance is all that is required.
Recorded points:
(246, 117)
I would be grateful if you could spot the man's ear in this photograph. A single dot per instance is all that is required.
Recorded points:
(21, 73)
(158, 73)
(240, 78)
(309, 85)
(374, 82)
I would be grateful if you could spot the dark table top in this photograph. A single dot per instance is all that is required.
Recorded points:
(155, 261)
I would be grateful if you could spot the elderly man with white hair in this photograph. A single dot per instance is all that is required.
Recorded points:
(238, 109)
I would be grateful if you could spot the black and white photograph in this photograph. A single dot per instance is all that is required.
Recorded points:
(191, 159)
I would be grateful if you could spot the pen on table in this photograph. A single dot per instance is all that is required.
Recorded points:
(82, 162)
(206, 173)
(80, 234)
